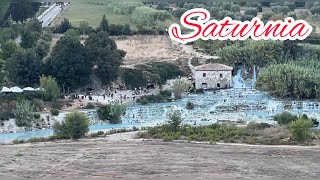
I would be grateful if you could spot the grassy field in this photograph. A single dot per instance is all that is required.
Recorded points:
(81, 10)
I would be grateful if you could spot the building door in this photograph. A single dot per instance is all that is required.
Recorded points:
(204, 85)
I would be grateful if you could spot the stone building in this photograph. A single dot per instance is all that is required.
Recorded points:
(212, 76)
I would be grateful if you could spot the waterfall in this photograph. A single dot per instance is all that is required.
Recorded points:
(238, 82)
(254, 80)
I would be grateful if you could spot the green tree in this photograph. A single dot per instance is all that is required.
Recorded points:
(3, 72)
(126, 30)
(267, 15)
(178, 87)
(23, 113)
(251, 11)
(42, 48)
(69, 63)
(29, 39)
(105, 55)
(34, 25)
(85, 28)
(63, 26)
(284, 118)
(104, 24)
(162, 5)
(280, 9)
(20, 11)
(300, 129)
(235, 8)
(315, 10)
(8, 48)
(111, 112)
(50, 85)
(74, 126)
(175, 120)
(250, 52)
(24, 68)
(73, 33)
(133, 78)
(291, 5)
(146, 16)
(298, 79)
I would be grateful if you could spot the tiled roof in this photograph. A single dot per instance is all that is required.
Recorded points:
(213, 67)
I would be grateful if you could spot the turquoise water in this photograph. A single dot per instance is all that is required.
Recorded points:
(232, 104)
(9, 137)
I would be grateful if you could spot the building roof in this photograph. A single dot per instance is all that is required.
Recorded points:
(213, 67)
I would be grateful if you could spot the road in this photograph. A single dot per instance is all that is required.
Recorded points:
(47, 17)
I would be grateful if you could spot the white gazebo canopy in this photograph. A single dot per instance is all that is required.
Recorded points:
(40, 89)
(28, 89)
(16, 89)
(5, 90)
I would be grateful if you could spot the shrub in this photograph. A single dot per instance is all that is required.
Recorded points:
(175, 120)
(111, 112)
(54, 112)
(251, 11)
(300, 129)
(23, 113)
(258, 126)
(159, 98)
(36, 116)
(56, 105)
(97, 134)
(75, 126)
(90, 106)
(17, 141)
(190, 105)
(285, 118)
(38, 104)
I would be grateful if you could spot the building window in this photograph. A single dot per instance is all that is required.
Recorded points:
(221, 75)
(218, 85)
(204, 75)
(204, 85)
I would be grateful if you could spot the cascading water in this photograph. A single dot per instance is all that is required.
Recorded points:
(254, 80)
(238, 82)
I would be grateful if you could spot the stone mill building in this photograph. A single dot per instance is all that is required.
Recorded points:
(212, 76)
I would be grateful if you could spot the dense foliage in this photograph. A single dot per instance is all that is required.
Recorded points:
(22, 10)
(74, 126)
(24, 68)
(300, 129)
(111, 112)
(124, 8)
(105, 56)
(163, 96)
(145, 16)
(69, 63)
(250, 52)
(299, 79)
(50, 86)
(151, 73)
(23, 113)
(285, 118)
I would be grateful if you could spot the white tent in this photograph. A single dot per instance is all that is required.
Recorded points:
(40, 89)
(16, 89)
(28, 89)
(5, 90)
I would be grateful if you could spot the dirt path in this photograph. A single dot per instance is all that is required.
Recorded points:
(150, 159)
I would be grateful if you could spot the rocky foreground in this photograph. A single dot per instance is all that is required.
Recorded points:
(107, 158)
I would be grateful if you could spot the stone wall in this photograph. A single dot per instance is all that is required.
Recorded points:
(213, 79)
